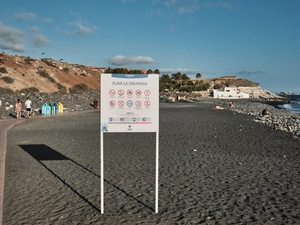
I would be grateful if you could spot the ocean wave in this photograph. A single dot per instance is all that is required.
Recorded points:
(295, 107)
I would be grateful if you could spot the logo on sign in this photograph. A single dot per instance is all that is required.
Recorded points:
(129, 103)
(121, 92)
(112, 103)
(121, 103)
(147, 103)
(138, 92)
(138, 103)
(129, 92)
(112, 92)
(147, 92)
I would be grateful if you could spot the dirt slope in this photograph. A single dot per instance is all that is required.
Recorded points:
(19, 72)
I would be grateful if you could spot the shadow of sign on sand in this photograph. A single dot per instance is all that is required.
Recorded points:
(41, 152)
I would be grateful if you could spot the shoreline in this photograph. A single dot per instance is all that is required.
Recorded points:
(282, 119)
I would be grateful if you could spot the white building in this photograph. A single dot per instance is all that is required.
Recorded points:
(230, 93)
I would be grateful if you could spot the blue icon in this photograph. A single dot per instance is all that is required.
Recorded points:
(133, 119)
(129, 103)
(144, 119)
(122, 119)
(110, 119)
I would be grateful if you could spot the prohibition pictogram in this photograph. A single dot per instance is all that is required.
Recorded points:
(121, 92)
(112, 92)
(112, 103)
(129, 92)
(147, 103)
(138, 103)
(138, 92)
(121, 103)
(147, 92)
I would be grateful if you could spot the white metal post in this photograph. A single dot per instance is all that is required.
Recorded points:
(156, 172)
(102, 173)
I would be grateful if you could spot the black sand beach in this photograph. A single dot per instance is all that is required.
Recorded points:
(216, 167)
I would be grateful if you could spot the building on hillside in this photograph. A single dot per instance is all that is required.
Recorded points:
(230, 93)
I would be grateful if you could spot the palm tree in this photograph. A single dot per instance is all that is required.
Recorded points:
(156, 71)
(198, 76)
(149, 72)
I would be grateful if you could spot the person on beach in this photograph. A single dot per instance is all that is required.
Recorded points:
(28, 104)
(265, 112)
(18, 109)
(218, 107)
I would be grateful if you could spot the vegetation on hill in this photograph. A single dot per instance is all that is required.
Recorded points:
(48, 75)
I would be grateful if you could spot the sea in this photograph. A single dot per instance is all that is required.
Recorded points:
(294, 102)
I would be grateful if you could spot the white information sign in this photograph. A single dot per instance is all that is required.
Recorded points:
(129, 102)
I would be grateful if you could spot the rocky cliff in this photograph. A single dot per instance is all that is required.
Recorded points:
(19, 73)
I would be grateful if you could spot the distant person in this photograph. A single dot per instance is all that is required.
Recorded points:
(18, 109)
(218, 107)
(265, 112)
(28, 105)
(231, 105)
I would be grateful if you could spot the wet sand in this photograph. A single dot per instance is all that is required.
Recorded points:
(216, 167)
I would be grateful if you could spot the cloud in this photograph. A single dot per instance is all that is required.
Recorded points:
(34, 29)
(249, 73)
(170, 3)
(47, 20)
(25, 15)
(11, 39)
(120, 60)
(215, 4)
(81, 29)
(192, 6)
(40, 40)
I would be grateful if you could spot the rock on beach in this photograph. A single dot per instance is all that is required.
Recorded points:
(279, 119)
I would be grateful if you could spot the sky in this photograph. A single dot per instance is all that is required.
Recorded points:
(258, 40)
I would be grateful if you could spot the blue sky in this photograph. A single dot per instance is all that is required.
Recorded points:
(254, 39)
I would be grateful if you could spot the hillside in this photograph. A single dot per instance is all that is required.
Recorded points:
(46, 75)
(18, 73)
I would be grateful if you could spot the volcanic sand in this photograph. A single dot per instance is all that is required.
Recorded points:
(216, 167)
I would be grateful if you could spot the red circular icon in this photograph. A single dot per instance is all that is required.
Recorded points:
(147, 103)
(121, 103)
(112, 103)
(138, 92)
(147, 92)
(129, 92)
(138, 103)
(112, 92)
(121, 92)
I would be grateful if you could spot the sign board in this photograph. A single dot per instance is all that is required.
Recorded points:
(129, 102)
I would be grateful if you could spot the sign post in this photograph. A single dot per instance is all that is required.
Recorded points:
(129, 103)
